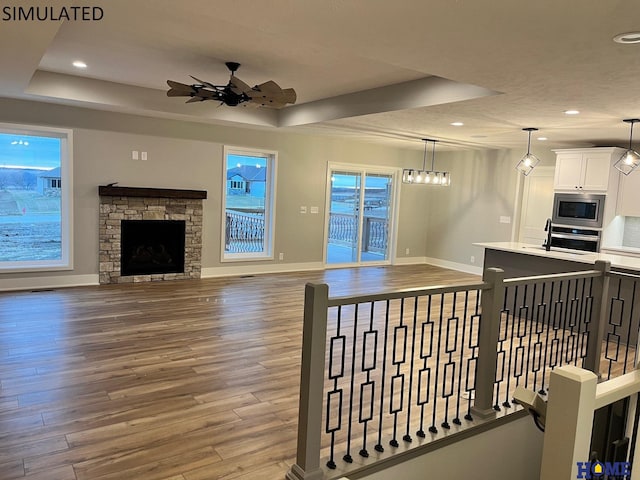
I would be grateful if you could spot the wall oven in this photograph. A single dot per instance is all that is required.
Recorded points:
(575, 238)
(580, 210)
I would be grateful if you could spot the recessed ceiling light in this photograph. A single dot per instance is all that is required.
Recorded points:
(79, 64)
(457, 124)
(542, 139)
(630, 37)
(571, 112)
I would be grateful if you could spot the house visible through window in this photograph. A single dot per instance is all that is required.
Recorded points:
(34, 208)
(248, 204)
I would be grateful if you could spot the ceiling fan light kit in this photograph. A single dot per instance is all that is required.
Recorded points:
(424, 176)
(630, 160)
(235, 92)
(526, 165)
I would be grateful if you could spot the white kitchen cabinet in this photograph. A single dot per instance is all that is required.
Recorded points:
(586, 170)
(629, 195)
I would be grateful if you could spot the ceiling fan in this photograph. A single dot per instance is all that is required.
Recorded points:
(234, 93)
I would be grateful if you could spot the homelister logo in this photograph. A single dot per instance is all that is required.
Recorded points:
(599, 470)
(12, 13)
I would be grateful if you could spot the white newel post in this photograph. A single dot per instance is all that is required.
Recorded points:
(314, 337)
(567, 437)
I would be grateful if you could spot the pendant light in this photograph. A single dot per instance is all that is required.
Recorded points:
(424, 176)
(630, 160)
(529, 161)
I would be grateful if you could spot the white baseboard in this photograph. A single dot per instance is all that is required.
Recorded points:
(38, 283)
(461, 267)
(410, 260)
(235, 270)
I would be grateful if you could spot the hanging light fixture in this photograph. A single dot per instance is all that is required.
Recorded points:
(529, 161)
(424, 176)
(630, 160)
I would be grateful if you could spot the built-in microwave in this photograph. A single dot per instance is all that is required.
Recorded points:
(579, 209)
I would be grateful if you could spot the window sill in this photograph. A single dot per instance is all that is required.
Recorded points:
(242, 257)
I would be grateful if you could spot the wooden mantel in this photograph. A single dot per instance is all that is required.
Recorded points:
(115, 191)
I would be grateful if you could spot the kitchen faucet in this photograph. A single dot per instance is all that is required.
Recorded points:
(547, 242)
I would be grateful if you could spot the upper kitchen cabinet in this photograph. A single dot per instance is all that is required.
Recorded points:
(629, 195)
(586, 170)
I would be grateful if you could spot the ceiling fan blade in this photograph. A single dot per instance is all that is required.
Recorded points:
(180, 93)
(195, 99)
(202, 82)
(268, 87)
(273, 99)
(265, 101)
(179, 86)
(238, 86)
(289, 95)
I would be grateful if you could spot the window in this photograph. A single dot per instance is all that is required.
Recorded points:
(248, 200)
(35, 209)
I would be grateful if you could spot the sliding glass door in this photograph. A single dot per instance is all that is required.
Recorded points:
(360, 207)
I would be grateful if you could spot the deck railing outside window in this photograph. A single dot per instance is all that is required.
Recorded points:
(385, 372)
(343, 230)
(244, 232)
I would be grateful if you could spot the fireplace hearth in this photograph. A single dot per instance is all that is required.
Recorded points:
(152, 246)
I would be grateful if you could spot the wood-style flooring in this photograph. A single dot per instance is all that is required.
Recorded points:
(185, 380)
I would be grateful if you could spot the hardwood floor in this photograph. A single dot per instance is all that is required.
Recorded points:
(186, 380)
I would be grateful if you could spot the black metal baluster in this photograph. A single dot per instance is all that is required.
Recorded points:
(451, 345)
(530, 325)
(407, 436)
(506, 402)
(397, 380)
(338, 342)
(564, 323)
(347, 456)
(574, 323)
(465, 307)
(541, 314)
(472, 362)
(433, 428)
(616, 309)
(588, 323)
(581, 337)
(379, 447)
(633, 303)
(457, 420)
(548, 321)
(501, 357)
(520, 329)
(424, 375)
(558, 311)
(367, 389)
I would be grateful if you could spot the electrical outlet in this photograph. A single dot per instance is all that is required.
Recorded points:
(134, 154)
(504, 219)
(143, 155)
(473, 259)
(303, 209)
(407, 251)
(281, 256)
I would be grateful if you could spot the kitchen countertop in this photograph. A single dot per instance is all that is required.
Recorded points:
(617, 261)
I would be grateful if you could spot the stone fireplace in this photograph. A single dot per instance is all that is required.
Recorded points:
(149, 234)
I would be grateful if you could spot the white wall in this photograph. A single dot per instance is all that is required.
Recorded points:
(433, 223)
(189, 155)
(484, 187)
(508, 452)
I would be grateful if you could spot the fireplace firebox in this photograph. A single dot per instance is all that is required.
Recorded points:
(152, 247)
